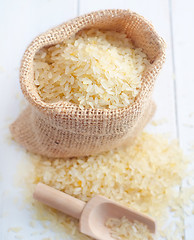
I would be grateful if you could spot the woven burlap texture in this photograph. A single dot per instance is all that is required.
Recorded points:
(64, 130)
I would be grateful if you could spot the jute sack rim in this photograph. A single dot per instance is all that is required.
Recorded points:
(56, 35)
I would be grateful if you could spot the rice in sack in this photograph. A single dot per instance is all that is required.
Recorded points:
(93, 69)
(61, 127)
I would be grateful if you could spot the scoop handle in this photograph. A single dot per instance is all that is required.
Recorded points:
(59, 200)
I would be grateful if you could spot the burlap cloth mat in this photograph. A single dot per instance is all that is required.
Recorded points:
(62, 129)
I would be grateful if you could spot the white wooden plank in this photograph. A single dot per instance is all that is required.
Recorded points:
(158, 13)
(183, 39)
(21, 21)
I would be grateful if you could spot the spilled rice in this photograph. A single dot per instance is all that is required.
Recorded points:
(145, 177)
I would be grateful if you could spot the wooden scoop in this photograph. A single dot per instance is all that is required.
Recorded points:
(93, 214)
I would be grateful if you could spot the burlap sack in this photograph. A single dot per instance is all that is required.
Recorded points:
(63, 129)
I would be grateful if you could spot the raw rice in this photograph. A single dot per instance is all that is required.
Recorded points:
(93, 69)
(127, 230)
(144, 177)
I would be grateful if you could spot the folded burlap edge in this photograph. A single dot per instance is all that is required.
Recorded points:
(55, 35)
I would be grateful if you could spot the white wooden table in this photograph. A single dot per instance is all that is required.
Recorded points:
(23, 20)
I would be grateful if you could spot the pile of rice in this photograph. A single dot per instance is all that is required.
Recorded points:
(143, 177)
(127, 230)
(93, 69)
